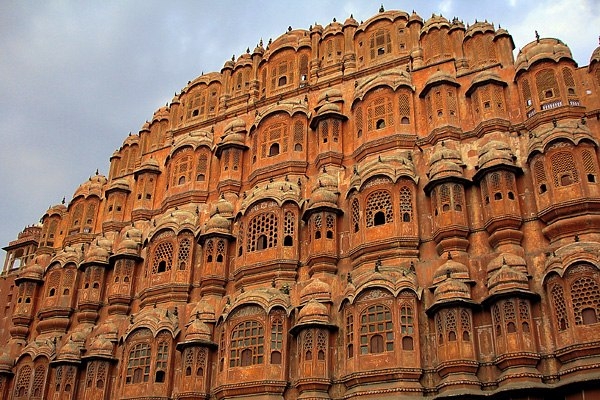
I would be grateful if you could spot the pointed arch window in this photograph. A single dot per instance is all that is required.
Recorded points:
(379, 208)
(376, 330)
(247, 344)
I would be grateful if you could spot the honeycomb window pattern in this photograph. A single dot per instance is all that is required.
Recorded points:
(547, 85)
(560, 308)
(262, 232)
(379, 208)
(163, 257)
(307, 344)
(406, 210)
(585, 293)
(321, 344)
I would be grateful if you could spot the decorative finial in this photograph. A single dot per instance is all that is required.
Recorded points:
(449, 256)
(537, 36)
(381, 9)
(377, 264)
(289, 28)
(63, 200)
(576, 238)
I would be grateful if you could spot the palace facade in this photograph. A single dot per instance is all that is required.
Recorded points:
(390, 209)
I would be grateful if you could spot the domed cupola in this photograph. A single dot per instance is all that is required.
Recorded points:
(539, 50)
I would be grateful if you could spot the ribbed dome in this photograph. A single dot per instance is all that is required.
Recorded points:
(223, 207)
(315, 290)
(506, 279)
(450, 269)
(512, 260)
(99, 250)
(495, 153)
(545, 48)
(6, 363)
(198, 330)
(69, 352)
(101, 346)
(452, 289)
(313, 312)
(218, 223)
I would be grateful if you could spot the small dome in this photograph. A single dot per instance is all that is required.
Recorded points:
(198, 330)
(436, 21)
(218, 223)
(131, 241)
(443, 169)
(512, 260)
(149, 164)
(538, 50)
(479, 27)
(316, 290)
(32, 272)
(506, 279)
(595, 57)
(451, 269)
(451, 289)
(350, 21)
(323, 197)
(70, 351)
(6, 363)
(313, 312)
(99, 250)
(223, 207)
(495, 153)
(101, 346)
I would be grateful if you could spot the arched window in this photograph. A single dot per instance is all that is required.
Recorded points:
(585, 293)
(355, 215)
(247, 344)
(376, 330)
(564, 171)
(138, 364)
(380, 43)
(181, 168)
(162, 357)
(276, 337)
(547, 86)
(407, 326)
(288, 229)
(560, 309)
(406, 204)
(379, 208)
(163, 257)
(274, 140)
(262, 232)
(380, 113)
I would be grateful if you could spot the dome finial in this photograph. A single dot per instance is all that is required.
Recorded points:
(381, 9)
(537, 36)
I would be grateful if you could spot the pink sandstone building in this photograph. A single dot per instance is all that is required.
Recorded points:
(391, 209)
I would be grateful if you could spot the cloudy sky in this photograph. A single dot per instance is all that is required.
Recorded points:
(77, 76)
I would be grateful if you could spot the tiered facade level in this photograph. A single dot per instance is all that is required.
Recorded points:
(384, 210)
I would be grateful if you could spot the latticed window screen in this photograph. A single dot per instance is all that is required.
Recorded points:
(380, 43)
(589, 165)
(358, 117)
(276, 339)
(274, 140)
(289, 227)
(76, 219)
(526, 91)
(321, 344)
(163, 257)
(355, 215)
(560, 309)
(349, 335)
(184, 253)
(465, 324)
(524, 315)
(23, 381)
(181, 170)
(324, 128)
(404, 108)
(298, 136)
(379, 202)
(450, 324)
(546, 83)
(439, 327)
(196, 106)
(380, 114)
(376, 330)
(585, 293)
(335, 130)
(569, 81)
(307, 345)
(498, 98)
(202, 167)
(247, 344)
(497, 319)
(406, 209)
(262, 232)
(138, 364)
(329, 225)
(162, 357)
(564, 171)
